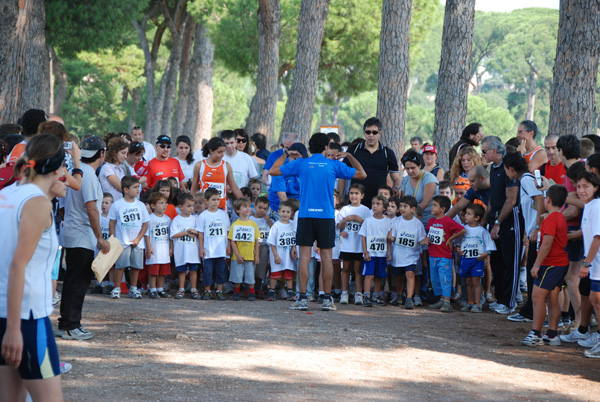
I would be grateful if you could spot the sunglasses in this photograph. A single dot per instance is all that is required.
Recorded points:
(137, 128)
(163, 146)
(369, 132)
(484, 151)
(242, 140)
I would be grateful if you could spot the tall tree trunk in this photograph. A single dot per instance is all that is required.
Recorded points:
(262, 109)
(298, 114)
(453, 84)
(531, 88)
(575, 68)
(24, 59)
(60, 76)
(135, 102)
(324, 114)
(184, 79)
(198, 122)
(393, 71)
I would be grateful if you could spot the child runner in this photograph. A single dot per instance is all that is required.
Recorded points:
(441, 231)
(159, 247)
(475, 247)
(374, 232)
(446, 189)
(264, 223)
(549, 269)
(213, 227)
(282, 240)
(244, 236)
(185, 247)
(128, 223)
(107, 201)
(255, 188)
(199, 203)
(385, 191)
(351, 218)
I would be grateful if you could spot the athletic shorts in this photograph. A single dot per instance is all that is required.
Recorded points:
(215, 271)
(131, 257)
(288, 274)
(471, 268)
(313, 229)
(242, 273)
(574, 248)
(585, 285)
(403, 270)
(594, 285)
(159, 269)
(263, 264)
(550, 277)
(187, 267)
(344, 256)
(40, 356)
(376, 267)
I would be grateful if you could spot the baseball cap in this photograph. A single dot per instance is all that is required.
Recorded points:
(300, 148)
(462, 183)
(91, 145)
(429, 148)
(163, 139)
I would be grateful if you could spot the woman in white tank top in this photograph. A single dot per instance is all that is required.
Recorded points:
(29, 245)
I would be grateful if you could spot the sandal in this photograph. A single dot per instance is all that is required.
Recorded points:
(195, 295)
(179, 294)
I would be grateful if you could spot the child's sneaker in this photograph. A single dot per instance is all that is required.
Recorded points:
(237, 296)
(467, 308)
(417, 301)
(437, 305)
(206, 295)
(532, 340)
(344, 298)
(134, 294)
(78, 334)
(336, 296)
(378, 300)
(179, 294)
(311, 298)
(446, 307)
(196, 295)
(489, 298)
(476, 308)
(358, 298)
(518, 318)
(575, 336)
(283, 294)
(271, 295)
(301, 305)
(163, 295)
(154, 295)
(65, 367)
(328, 305)
(395, 301)
(551, 341)
(115, 293)
(291, 295)
(367, 301)
(320, 298)
(220, 296)
(252, 297)
(409, 304)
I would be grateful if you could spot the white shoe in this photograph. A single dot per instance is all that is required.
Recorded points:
(591, 341)
(502, 309)
(551, 341)
(575, 336)
(344, 298)
(134, 294)
(115, 293)
(358, 298)
(519, 297)
(593, 352)
(79, 334)
(417, 300)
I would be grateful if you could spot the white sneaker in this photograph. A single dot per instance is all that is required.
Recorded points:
(502, 309)
(591, 341)
(493, 306)
(134, 294)
(551, 341)
(79, 334)
(344, 298)
(57, 298)
(519, 297)
(593, 352)
(575, 336)
(115, 293)
(358, 298)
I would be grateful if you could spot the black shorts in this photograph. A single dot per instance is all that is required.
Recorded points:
(314, 229)
(585, 285)
(344, 256)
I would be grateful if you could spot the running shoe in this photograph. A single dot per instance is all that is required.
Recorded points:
(196, 295)
(575, 336)
(271, 296)
(593, 352)
(134, 294)
(65, 367)
(344, 298)
(467, 308)
(532, 340)
(446, 307)
(301, 305)
(206, 295)
(476, 308)
(409, 304)
(154, 295)
(396, 301)
(237, 296)
(179, 295)
(367, 301)
(551, 341)
(252, 297)
(591, 341)
(417, 300)
(502, 309)
(328, 305)
(518, 318)
(57, 298)
(116, 293)
(220, 296)
(358, 298)
(437, 305)
(378, 300)
(78, 334)
(321, 298)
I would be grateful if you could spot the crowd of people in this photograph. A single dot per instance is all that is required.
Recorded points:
(336, 223)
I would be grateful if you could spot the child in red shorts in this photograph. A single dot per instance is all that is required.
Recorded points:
(282, 239)
(159, 246)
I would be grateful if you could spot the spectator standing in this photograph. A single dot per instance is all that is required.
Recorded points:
(163, 167)
(471, 136)
(112, 172)
(137, 134)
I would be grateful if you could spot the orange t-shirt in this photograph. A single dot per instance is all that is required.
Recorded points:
(171, 211)
(159, 170)
(17, 152)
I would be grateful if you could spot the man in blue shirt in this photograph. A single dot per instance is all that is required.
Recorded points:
(316, 217)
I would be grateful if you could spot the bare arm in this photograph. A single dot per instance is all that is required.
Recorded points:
(114, 181)
(539, 158)
(573, 211)
(396, 179)
(428, 193)
(265, 176)
(360, 172)
(195, 178)
(459, 206)
(274, 171)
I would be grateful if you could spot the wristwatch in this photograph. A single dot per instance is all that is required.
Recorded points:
(497, 222)
(587, 264)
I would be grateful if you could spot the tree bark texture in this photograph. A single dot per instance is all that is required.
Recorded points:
(453, 84)
(184, 79)
(24, 59)
(262, 109)
(531, 88)
(60, 76)
(394, 71)
(298, 114)
(575, 68)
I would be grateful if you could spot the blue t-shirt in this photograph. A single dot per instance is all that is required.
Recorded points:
(273, 156)
(317, 176)
(290, 185)
(481, 195)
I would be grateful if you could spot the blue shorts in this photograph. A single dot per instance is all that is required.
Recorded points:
(40, 356)
(595, 286)
(471, 268)
(377, 267)
(550, 277)
(186, 267)
(214, 268)
(574, 248)
(403, 270)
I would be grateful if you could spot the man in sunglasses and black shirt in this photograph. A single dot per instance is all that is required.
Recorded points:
(377, 161)
(163, 167)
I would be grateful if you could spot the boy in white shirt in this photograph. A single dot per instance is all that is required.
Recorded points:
(406, 238)
(128, 223)
(107, 201)
(159, 246)
(282, 240)
(213, 227)
(264, 223)
(185, 246)
(374, 232)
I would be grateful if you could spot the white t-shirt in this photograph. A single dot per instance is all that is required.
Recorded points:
(264, 228)
(215, 226)
(476, 241)
(130, 216)
(590, 227)
(375, 232)
(352, 244)
(198, 156)
(187, 168)
(408, 234)
(283, 237)
(243, 168)
(185, 248)
(104, 222)
(158, 234)
(108, 169)
(527, 191)
(149, 151)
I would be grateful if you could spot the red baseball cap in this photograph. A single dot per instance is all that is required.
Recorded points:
(429, 148)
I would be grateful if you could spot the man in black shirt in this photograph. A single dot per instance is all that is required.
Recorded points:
(471, 136)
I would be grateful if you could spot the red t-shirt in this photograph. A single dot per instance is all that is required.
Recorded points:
(555, 225)
(439, 231)
(556, 173)
(159, 170)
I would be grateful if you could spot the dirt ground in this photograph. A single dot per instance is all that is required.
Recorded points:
(191, 350)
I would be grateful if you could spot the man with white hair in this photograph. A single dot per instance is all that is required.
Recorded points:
(285, 141)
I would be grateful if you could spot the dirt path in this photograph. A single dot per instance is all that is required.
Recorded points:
(188, 350)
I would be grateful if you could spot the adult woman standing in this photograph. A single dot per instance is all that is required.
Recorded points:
(111, 172)
(244, 145)
(467, 158)
(420, 184)
(430, 159)
(214, 172)
(29, 358)
(185, 157)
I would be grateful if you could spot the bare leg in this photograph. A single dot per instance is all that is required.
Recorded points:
(181, 280)
(368, 281)
(303, 267)
(358, 276)
(572, 279)
(118, 277)
(539, 307)
(326, 269)
(470, 291)
(160, 281)
(133, 276)
(410, 285)
(477, 289)
(346, 275)
(487, 278)
(11, 385)
(193, 279)
(553, 309)
(152, 281)
(47, 390)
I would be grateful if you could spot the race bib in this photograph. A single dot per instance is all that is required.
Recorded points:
(130, 217)
(353, 227)
(243, 233)
(220, 187)
(376, 244)
(406, 239)
(287, 240)
(264, 234)
(161, 232)
(471, 248)
(436, 236)
(215, 229)
(187, 238)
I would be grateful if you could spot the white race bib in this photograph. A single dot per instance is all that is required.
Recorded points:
(243, 233)
(436, 236)
(406, 239)
(215, 229)
(287, 240)
(161, 232)
(376, 244)
(353, 227)
(264, 233)
(219, 187)
(471, 248)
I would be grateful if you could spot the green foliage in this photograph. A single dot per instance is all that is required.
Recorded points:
(231, 100)
(495, 120)
(352, 114)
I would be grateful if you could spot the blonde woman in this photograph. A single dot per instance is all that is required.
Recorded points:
(466, 158)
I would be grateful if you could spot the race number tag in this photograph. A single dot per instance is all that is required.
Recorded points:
(161, 232)
(376, 244)
(264, 233)
(436, 236)
(406, 239)
(353, 227)
(243, 233)
(287, 240)
(471, 248)
(218, 186)
(187, 238)
(215, 229)
(129, 217)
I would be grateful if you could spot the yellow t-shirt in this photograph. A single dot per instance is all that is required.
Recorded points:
(244, 234)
